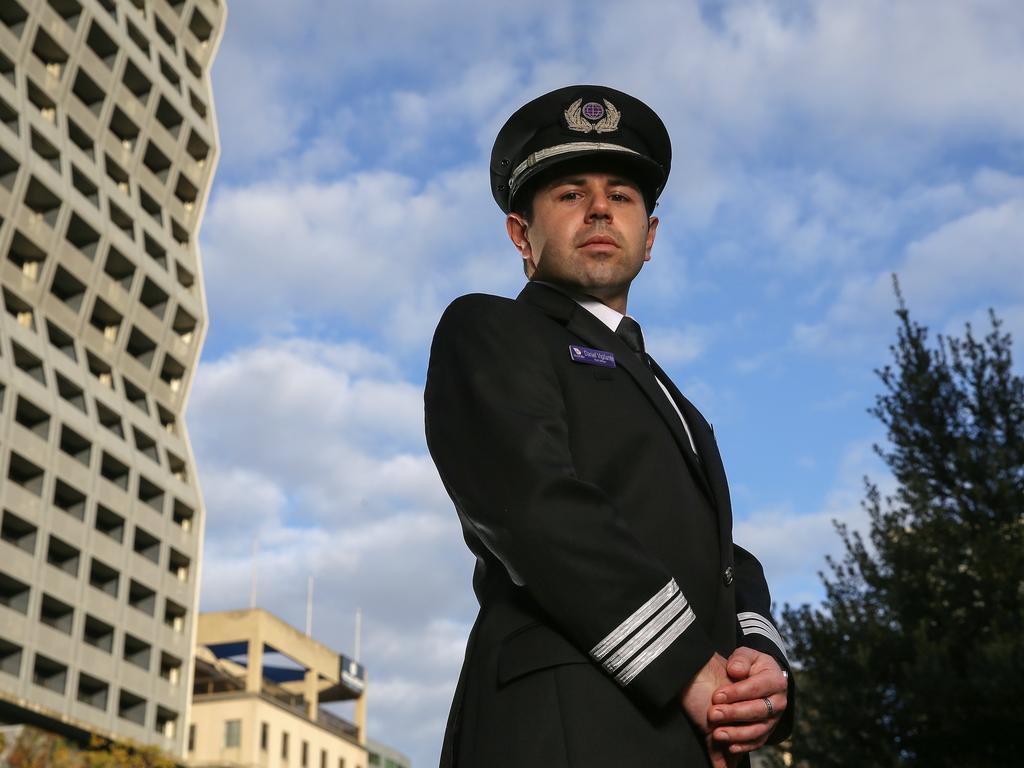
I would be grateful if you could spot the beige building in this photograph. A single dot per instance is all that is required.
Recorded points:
(259, 684)
(383, 756)
(107, 149)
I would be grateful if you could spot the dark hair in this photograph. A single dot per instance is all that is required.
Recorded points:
(524, 201)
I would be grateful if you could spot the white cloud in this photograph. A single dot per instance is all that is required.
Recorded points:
(860, 79)
(326, 422)
(386, 250)
(971, 260)
(254, 120)
(376, 251)
(976, 255)
(853, 77)
(676, 346)
(244, 500)
(283, 68)
(316, 449)
(792, 546)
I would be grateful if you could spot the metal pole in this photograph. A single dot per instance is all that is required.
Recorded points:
(309, 606)
(252, 575)
(359, 622)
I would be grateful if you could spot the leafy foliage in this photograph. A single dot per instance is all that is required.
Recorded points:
(35, 748)
(916, 657)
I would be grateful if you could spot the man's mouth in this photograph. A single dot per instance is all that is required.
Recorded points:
(599, 240)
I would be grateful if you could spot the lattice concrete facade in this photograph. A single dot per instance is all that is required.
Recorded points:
(107, 150)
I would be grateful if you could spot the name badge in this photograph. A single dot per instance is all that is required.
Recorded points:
(589, 356)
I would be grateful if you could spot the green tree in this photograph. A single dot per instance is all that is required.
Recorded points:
(36, 748)
(916, 656)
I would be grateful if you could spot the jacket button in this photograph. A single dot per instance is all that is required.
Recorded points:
(728, 576)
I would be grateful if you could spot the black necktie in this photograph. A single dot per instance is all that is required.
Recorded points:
(629, 331)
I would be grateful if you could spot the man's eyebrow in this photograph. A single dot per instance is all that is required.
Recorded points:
(566, 180)
(615, 181)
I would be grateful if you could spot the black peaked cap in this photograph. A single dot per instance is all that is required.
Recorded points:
(580, 121)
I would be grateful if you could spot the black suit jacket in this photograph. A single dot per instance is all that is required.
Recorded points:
(606, 572)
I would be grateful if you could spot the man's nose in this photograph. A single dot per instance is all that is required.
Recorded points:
(598, 208)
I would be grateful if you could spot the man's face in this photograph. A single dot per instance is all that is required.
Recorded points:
(589, 232)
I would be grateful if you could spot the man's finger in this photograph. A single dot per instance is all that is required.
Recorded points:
(755, 734)
(748, 711)
(738, 749)
(740, 662)
(720, 756)
(754, 687)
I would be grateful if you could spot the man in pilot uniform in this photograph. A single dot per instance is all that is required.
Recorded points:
(619, 625)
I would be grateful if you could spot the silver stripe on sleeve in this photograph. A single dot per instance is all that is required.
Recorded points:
(751, 622)
(759, 630)
(755, 624)
(630, 625)
(644, 636)
(655, 649)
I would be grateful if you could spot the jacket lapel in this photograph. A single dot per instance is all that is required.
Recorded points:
(593, 332)
(704, 438)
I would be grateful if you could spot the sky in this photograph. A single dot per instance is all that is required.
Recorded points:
(819, 147)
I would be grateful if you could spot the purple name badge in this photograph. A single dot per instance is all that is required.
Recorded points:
(590, 356)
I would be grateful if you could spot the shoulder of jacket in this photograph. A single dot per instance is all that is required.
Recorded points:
(478, 303)
(482, 319)
(485, 308)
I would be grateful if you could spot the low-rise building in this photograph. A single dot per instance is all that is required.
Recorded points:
(383, 756)
(259, 686)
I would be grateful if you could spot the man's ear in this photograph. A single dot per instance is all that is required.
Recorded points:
(517, 228)
(652, 228)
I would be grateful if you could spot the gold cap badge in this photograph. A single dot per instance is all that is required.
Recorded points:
(592, 116)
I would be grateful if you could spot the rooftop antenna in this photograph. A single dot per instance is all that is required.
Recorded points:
(252, 575)
(309, 606)
(359, 622)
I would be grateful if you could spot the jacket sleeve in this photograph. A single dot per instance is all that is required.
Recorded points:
(497, 430)
(756, 629)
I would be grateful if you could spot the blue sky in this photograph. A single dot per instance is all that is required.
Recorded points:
(819, 147)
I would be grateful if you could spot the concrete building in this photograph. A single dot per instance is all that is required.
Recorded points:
(107, 149)
(383, 756)
(259, 684)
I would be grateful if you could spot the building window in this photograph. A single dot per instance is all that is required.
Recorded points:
(341, 762)
(284, 745)
(323, 758)
(305, 754)
(264, 736)
(192, 738)
(232, 733)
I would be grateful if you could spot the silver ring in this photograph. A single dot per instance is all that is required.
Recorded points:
(771, 709)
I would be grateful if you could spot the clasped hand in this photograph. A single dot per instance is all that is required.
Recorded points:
(726, 700)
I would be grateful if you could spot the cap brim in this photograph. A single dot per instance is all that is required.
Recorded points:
(649, 175)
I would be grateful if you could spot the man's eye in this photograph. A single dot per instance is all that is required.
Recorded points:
(571, 195)
(619, 197)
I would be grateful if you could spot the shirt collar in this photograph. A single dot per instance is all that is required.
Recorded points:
(602, 312)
